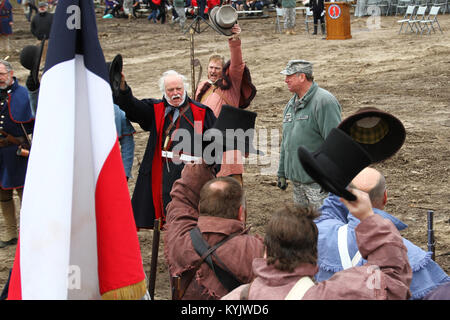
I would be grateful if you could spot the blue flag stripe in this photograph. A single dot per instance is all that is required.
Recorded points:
(74, 31)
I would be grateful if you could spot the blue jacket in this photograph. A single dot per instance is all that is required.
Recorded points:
(427, 274)
(14, 111)
(125, 133)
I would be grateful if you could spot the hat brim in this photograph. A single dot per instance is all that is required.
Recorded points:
(318, 175)
(284, 72)
(231, 145)
(394, 139)
(212, 19)
(115, 73)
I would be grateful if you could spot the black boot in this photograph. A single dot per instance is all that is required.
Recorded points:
(315, 29)
(323, 28)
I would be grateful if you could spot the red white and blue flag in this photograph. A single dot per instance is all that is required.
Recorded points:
(78, 237)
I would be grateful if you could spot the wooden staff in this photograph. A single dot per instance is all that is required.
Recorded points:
(191, 38)
(430, 234)
(154, 258)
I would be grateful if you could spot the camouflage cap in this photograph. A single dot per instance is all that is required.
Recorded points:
(296, 66)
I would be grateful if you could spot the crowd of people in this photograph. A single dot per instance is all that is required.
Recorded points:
(202, 204)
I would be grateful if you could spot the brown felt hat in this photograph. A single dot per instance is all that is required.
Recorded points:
(223, 18)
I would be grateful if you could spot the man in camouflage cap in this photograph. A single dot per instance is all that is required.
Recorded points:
(308, 117)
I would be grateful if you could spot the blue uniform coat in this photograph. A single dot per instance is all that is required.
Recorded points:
(14, 110)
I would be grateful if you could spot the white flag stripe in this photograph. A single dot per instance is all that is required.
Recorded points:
(41, 237)
(83, 283)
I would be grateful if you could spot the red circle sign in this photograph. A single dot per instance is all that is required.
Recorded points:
(334, 11)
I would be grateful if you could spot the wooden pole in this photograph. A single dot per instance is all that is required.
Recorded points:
(154, 258)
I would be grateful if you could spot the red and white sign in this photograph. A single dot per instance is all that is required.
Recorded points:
(334, 11)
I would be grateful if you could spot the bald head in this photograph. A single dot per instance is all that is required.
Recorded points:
(373, 182)
(221, 197)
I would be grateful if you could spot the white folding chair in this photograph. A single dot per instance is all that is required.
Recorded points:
(443, 4)
(420, 16)
(279, 19)
(402, 4)
(431, 20)
(308, 18)
(406, 18)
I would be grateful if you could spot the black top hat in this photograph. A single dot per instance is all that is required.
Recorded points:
(242, 125)
(378, 132)
(30, 59)
(338, 160)
(115, 73)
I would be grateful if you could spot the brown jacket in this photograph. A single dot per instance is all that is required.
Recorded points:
(387, 274)
(182, 216)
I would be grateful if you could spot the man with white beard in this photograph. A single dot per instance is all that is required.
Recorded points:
(164, 118)
(16, 122)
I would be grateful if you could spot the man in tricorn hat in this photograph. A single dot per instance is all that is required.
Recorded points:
(224, 85)
(308, 118)
(164, 118)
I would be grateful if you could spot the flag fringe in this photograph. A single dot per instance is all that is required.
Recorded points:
(132, 292)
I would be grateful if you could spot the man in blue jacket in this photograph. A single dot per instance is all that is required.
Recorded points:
(16, 122)
(337, 245)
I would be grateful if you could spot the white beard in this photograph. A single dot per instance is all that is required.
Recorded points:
(183, 97)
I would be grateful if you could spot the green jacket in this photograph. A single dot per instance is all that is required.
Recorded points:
(178, 3)
(288, 3)
(306, 122)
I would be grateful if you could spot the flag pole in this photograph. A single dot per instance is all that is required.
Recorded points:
(154, 258)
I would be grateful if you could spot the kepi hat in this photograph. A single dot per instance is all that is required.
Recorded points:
(334, 165)
(30, 59)
(241, 124)
(378, 132)
(223, 19)
(115, 73)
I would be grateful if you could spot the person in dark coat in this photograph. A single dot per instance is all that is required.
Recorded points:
(164, 118)
(318, 7)
(15, 120)
(6, 22)
(42, 23)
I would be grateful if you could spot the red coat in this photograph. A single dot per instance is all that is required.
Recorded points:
(154, 181)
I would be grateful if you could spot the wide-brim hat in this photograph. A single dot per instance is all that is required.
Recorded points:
(30, 59)
(378, 132)
(115, 73)
(223, 18)
(334, 165)
(236, 127)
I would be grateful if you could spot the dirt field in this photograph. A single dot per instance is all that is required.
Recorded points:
(407, 75)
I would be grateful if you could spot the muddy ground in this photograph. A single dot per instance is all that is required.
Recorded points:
(407, 75)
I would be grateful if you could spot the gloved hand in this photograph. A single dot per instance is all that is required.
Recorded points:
(282, 183)
(31, 84)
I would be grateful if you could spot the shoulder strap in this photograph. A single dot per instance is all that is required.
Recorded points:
(300, 288)
(245, 292)
(223, 274)
(343, 249)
